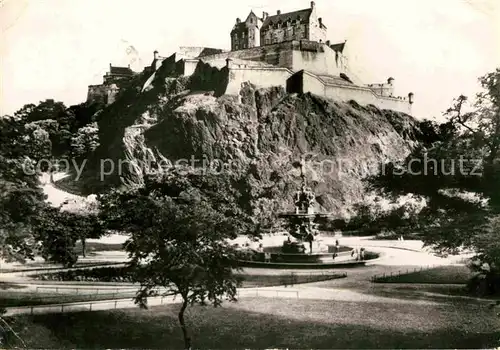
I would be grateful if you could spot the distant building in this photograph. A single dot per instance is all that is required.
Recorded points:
(297, 25)
(116, 74)
(106, 92)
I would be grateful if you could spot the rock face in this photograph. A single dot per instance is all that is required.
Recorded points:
(257, 135)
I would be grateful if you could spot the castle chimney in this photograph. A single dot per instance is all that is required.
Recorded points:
(264, 16)
(155, 55)
(327, 43)
(228, 62)
(313, 4)
(410, 97)
(278, 12)
(320, 20)
(238, 21)
(390, 80)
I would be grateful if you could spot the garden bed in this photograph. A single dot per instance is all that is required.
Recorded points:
(124, 275)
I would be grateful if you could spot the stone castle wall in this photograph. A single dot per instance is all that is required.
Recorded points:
(97, 94)
(259, 76)
(294, 55)
(303, 82)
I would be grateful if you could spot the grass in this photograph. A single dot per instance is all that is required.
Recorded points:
(98, 247)
(269, 323)
(437, 275)
(256, 280)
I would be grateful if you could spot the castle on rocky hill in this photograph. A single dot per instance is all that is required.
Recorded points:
(287, 49)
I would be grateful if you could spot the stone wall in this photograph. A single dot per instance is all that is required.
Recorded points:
(261, 77)
(295, 31)
(295, 55)
(196, 51)
(277, 54)
(317, 32)
(97, 94)
(321, 63)
(382, 89)
(303, 82)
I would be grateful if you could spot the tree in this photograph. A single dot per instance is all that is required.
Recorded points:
(86, 222)
(179, 241)
(457, 172)
(85, 141)
(21, 197)
(55, 232)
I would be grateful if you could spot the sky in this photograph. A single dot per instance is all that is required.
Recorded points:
(436, 49)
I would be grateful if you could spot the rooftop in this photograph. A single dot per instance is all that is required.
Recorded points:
(300, 15)
(120, 70)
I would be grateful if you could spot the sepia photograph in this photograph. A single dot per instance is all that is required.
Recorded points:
(253, 174)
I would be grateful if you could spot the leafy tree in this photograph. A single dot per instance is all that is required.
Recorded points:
(64, 120)
(55, 232)
(85, 141)
(458, 174)
(86, 221)
(179, 239)
(21, 198)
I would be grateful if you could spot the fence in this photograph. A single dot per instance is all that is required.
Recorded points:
(267, 293)
(37, 271)
(82, 290)
(92, 305)
(129, 302)
(387, 276)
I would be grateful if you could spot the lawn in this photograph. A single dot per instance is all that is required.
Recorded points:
(270, 323)
(256, 280)
(98, 247)
(438, 275)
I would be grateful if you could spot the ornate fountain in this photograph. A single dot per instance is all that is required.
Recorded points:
(301, 223)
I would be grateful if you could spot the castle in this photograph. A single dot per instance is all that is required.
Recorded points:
(106, 92)
(291, 50)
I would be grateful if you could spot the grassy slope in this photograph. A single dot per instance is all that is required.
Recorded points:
(437, 275)
(267, 323)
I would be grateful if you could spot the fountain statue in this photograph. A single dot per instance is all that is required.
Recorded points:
(301, 223)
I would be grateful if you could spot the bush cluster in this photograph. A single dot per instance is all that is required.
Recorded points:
(102, 274)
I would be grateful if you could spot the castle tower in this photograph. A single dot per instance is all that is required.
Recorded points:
(246, 34)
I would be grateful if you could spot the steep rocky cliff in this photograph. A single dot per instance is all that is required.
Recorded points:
(258, 135)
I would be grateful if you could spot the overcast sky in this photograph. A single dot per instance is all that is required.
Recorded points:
(56, 48)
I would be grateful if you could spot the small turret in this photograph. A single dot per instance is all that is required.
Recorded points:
(390, 80)
(278, 12)
(313, 4)
(238, 21)
(410, 97)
